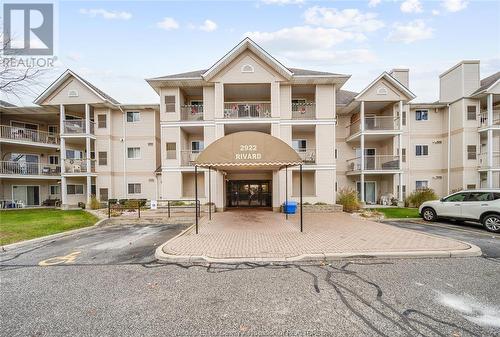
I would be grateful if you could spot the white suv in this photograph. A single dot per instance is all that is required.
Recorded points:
(474, 205)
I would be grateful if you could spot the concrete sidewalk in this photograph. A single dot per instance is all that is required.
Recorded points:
(256, 235)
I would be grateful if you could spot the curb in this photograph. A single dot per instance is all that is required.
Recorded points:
(53, 236)
(161, 256)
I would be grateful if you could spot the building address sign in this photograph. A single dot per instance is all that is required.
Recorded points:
(248, 152)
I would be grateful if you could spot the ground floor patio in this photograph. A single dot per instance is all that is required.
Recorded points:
(259, 235)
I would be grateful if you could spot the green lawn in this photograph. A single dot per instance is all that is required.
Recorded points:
(18, 225)
(399, 212)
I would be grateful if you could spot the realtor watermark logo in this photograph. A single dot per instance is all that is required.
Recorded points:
(28, 35)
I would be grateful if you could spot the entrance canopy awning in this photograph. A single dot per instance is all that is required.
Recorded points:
(248, 150)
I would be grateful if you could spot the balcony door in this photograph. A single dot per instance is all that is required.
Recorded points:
(28, 195)
(369, 158)
(25, 163)
(370, 191)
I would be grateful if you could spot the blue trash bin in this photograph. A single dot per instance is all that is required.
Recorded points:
(290, 207)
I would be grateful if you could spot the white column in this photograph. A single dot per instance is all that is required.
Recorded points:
(62, 117)
(362, 141)
(89, 189)
(400, 151)
(275, 99)
(219, 100)
(489, 146)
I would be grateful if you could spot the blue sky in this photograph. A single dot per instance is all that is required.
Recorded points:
(116, 44)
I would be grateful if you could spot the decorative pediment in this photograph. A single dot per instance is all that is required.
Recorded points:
(385, 88)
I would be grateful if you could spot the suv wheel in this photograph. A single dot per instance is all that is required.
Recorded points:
(429, 214)
(492, 223)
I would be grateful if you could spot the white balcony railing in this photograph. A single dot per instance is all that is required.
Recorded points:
(192, 112)
(483, 160)
(189, 157)
(77, 126)
(307, 155)
(29, 169)
(483, 119)
(28, 135)
(236, 110)
(303, 110)
(375, 163)
(78, 166)
(375, 123)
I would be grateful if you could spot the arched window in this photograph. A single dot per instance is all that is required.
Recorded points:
(247, 68)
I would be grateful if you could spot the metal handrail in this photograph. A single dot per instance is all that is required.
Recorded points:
(77, 126)
(78, 165)
(188, 157)
(233, 110)
(303, 110)
(483, 118)
(374, 123)
(308, 155)
(374, 163)
(191, 112)
(26, 168)
(23, 134)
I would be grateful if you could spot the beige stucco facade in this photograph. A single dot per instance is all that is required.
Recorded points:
(377, 138)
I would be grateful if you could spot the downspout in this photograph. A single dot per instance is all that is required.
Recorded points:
(449, 149)
(125, 191)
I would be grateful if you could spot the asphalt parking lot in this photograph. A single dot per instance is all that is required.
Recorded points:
(105, 282)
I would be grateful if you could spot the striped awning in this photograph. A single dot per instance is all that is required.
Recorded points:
(248, 150)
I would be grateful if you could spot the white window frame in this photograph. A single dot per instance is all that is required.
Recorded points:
(67, 189)
(134, 188)
(421, 181)
(57, 187)
(54, 156)
(24, 127)
(105, 121)
(299, 149)
(200, 148)
(53, 126)
(421, 111)
(421, 155)
(134, 113)
(99, 159)
(128, 152)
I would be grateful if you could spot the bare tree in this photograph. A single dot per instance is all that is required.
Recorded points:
(17, 79)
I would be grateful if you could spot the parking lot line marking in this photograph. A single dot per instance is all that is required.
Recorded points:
(457, 229)
(70, 258)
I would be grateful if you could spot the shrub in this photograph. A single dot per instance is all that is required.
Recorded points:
(319, 203)
(177, 203)
(417, 198)
(131, 205)
(348, 198)
(94, 203)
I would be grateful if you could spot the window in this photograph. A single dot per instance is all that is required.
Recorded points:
(73, 154)
(479, 196)
(336, 154)
(103, 158)
(74, 189)
(403, 122)
(197, 146)
(496, 196)
(421, 150)
(403, 155)
(54, 189)
(134, 188)
(169, 103)
(471, 113)
(133, 116)
(101, 121)
(134, 153)
(456, 197)
(471, 186)
(103, 194)
(52, 129)
(171, 151)
(422, 115)
(299, 144)
(404, 191)
(421, 184)
(54, 160)
(471, 152)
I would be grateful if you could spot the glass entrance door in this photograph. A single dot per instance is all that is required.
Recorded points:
(370, 191)
(251, 193)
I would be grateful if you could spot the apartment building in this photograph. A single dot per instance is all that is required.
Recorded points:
(259, 119)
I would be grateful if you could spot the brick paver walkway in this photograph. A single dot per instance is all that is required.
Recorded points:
(264, 234)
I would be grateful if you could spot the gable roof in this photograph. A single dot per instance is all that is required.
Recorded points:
(487, 83)
(393, 81)
(245, 44)
(64, 76)
(7, 104)
(345, 97)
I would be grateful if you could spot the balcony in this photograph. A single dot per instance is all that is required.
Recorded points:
(18, 135)
(375, 124)
(483, 119)
(77, 127)
(303, 110)
(189, 157)
(483, 161)
(192, 112)
(307, 155)
(17, 168)
(247, 110)
(374, 163)
(78, 166)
